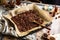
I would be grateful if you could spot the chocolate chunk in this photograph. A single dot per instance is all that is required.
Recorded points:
(58, 16)
(55, 17)
(57, 13)
(52, 38)
(50, 12)
(44, 37)
(18, 2)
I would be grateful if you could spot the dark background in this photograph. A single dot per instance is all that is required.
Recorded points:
(48, 1)
(51, 1)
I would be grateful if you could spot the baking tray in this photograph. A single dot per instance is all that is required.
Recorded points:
(10, 34)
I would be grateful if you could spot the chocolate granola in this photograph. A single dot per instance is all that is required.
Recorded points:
(25, 20)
